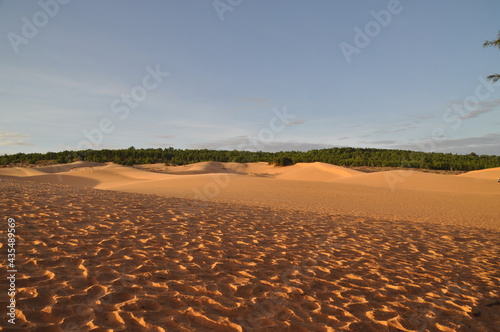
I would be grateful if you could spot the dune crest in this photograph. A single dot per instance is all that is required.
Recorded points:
(415, 180)
(315, 172)
(403, 194)
(492, 174)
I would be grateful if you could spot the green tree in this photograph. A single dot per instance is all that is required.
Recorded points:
(61, 159)
(283, 161)
(494, 43)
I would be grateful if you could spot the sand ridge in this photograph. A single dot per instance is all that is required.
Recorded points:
(104, 260)
(315, 172)
(416, 180)
(469, 199)
(488, 174)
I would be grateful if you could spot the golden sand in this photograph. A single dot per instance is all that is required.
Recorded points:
(268, 249)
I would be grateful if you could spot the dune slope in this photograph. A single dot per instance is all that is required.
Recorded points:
(313, 187)
(103, 260)
(315, 172)
(491, 174)
(415, 180)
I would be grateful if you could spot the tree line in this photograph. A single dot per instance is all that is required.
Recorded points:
(349, 157)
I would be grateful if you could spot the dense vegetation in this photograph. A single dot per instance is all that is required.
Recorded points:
(338, 156)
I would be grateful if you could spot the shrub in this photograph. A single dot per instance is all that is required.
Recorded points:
(283, 161)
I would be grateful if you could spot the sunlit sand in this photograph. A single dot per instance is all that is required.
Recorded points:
(243, 247)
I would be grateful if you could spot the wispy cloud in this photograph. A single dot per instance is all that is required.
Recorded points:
(160, 145)
(483, 107)
(391, 129)
(38, 81)
(166, 136)
(252, 144)
(296, 122)
(479, 144)
(254, 100)
(164, 144)
(390, 126)
(469, 111)
(14, 139)
(384, 142)
(424, 116)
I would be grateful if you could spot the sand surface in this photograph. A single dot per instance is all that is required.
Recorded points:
(468, 199)
(310, 247)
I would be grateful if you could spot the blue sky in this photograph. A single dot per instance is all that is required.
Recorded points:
(255, 75)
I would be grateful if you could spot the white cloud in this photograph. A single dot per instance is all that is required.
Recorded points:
(166, 136)
(252, 144)
(487, 144)
(473, 110)
(296, 122)
(14, 139)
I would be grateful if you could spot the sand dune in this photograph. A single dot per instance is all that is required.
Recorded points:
(82, 174)
(315, 172)
(54, 169)
(415, 180)
(67, 167)
(96, 260)
(309, 247)
(209, 167)
(301, 171)
(203, 168)
(492, 174)
(20, 171)
(314, 187)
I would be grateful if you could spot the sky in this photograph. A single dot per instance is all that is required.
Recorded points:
(249, 75)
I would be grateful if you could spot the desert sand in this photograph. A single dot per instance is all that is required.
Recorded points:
(252, 247)
(467, 199)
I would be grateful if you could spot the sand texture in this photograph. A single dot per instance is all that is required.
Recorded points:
(306, 248)
(468, 199)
